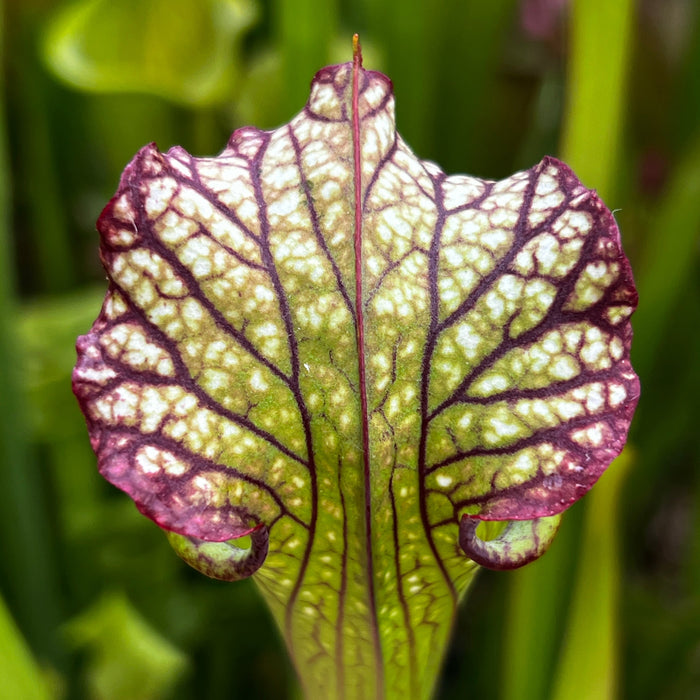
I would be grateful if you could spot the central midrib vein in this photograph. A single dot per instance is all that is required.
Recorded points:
(356, 69)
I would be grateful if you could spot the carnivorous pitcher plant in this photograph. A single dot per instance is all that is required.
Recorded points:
(318, 340)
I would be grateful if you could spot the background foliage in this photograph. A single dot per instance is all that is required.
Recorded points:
(96, 605)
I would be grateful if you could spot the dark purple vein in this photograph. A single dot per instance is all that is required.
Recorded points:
(554, 389)
(203, 231)
(313, 214)
(555, 316)
(158, 247)
(431, 340)
(200, 463)
(391, 266)
(339, 631)
(557, 434)
(520, 234)
(378, 171)
(187, 381)
(360, 334)
(410, 634)
(195, 182)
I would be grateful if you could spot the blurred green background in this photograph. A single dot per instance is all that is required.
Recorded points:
(96, 605)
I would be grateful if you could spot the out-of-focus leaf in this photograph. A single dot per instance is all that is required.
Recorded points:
(304, 31)
(127, 658)
(672, 245)
(26, 565)
(538, 597)
(601, 34)
(319, 340)
(45, 332)
(20, 675)
(184, 50)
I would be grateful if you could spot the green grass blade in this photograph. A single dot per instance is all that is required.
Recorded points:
(26, 570)
(537, 603)
(601, 34)
(600, 49)
(588, 668)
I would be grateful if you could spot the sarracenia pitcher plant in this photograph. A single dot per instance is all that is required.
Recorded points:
(318, 340)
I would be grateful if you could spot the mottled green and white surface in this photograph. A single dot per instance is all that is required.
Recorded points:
(320, 340)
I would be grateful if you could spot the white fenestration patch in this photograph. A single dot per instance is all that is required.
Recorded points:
(524, 463)
(123, 209)
(573, 338)
(591, 436)
(546, 253)
(494, 238)
(192, 313)
(496, 306)
(546, 184)
(154, 409)
(214, 380)
(564, 367)
(443, 481)
(618, 314)
(96, 375)
(510, 286)
(580, 221)
(617, 394)
(592, 354)
(160, 193)
(257, 382)
(491, 384)
(552, 342)
(266, 329)
(595, 399)
(503, 428)
(147, 460)
(567, 409)
(152, 460)
(466, 420)
(616, 348)
(469, 340)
